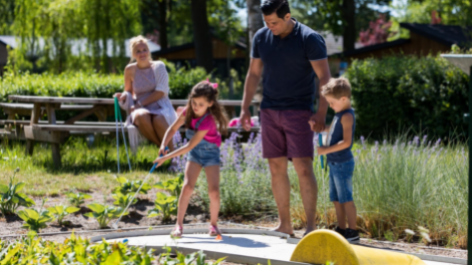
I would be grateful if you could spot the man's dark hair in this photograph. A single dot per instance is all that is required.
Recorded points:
(279, 6)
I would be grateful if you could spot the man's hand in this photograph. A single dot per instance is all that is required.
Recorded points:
(317, 122)
(245, 119)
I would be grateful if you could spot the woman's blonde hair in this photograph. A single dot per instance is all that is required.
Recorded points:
(134, 42)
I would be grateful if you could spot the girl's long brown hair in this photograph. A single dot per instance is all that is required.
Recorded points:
(206, 90)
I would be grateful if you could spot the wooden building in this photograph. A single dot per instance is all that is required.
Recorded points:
(424, 39)
(185, 55)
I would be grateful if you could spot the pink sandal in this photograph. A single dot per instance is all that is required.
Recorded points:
(177, 232)
(214, 231)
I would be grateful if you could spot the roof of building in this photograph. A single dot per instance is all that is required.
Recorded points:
(445, 34)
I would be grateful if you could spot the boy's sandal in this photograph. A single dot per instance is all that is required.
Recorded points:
(177, 232)
(214, 231)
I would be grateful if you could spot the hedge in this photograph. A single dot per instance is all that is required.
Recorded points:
(424, 95)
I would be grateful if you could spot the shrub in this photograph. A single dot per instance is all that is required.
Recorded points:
(132, 186)
(35, 220)
(395, 93)
(61, 211)
(34, 250)
(77, 199)
(173, 186)
(122, 200)
(165, 206)
(11, 198)
(104, 213)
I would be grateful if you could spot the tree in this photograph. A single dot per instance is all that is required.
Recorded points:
(254, 18)
(451, 12)
(341, 17)
(201, 34)
(90, 27)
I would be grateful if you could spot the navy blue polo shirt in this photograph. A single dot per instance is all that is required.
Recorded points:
(288, 77)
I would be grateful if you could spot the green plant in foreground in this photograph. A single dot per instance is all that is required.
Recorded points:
(77, 199)
(173, 186)
(11, 198)
(34, 250)
(166, 206)
(61, 211)
(128, 186)
(123, 200)
(196, 258)
(35, 220)
(104, 213)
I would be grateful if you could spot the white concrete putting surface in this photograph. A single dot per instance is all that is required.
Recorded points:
(238, 245)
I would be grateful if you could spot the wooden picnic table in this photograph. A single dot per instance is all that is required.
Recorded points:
(56, 132)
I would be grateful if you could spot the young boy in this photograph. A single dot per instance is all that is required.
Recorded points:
(340, 160)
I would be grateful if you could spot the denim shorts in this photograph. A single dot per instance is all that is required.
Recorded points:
(205, 154)
(340, 181)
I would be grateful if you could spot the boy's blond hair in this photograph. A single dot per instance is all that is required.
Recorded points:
(337, 88)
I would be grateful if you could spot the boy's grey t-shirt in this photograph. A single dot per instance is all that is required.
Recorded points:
(288, 77)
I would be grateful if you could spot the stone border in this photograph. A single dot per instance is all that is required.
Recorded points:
(240, 258)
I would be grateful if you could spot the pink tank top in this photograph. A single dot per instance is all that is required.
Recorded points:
(213, 135)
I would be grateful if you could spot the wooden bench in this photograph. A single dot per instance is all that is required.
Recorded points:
(56, 132)
(25, 109)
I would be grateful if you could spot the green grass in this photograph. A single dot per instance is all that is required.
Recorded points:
(83, 168)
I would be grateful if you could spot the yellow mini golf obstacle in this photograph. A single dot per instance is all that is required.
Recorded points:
(321, 246)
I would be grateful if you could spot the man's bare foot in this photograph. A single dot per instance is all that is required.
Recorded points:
(285, 230)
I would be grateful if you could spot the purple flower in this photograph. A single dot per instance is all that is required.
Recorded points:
(416, 140)
(425, 137)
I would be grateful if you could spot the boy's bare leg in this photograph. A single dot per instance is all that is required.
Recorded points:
(308, 189)
(351, 213)
(281, 191)
(340, 214)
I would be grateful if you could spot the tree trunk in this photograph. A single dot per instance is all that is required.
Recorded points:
(349, 20)
(202, 35)
(254, 18)
(162, 4)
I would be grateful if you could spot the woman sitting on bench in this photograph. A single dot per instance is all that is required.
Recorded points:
(146, 95)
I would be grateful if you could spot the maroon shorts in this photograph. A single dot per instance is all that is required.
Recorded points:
(286, 133)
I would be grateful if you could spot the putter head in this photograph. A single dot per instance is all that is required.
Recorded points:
(114, 225)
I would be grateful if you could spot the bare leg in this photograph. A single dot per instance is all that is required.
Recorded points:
(144, 124)
(213, 178)
(308, 189)
(340, 214)
(160, 127)
(192, 170)
(281, 191)
(351, 213)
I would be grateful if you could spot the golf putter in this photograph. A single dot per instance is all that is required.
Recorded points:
(320, 138)
(115, 225)
(118, 116)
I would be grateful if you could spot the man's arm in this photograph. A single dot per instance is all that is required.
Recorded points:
(252, 80)
(321, 69)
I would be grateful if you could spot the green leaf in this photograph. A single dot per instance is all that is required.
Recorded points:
(72, 209)
(19, 186)
(98, 208)
(122, 180)
(3, 188)
(32, 214)
(23, 215)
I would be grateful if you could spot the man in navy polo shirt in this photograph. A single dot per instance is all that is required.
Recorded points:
(288, 56)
